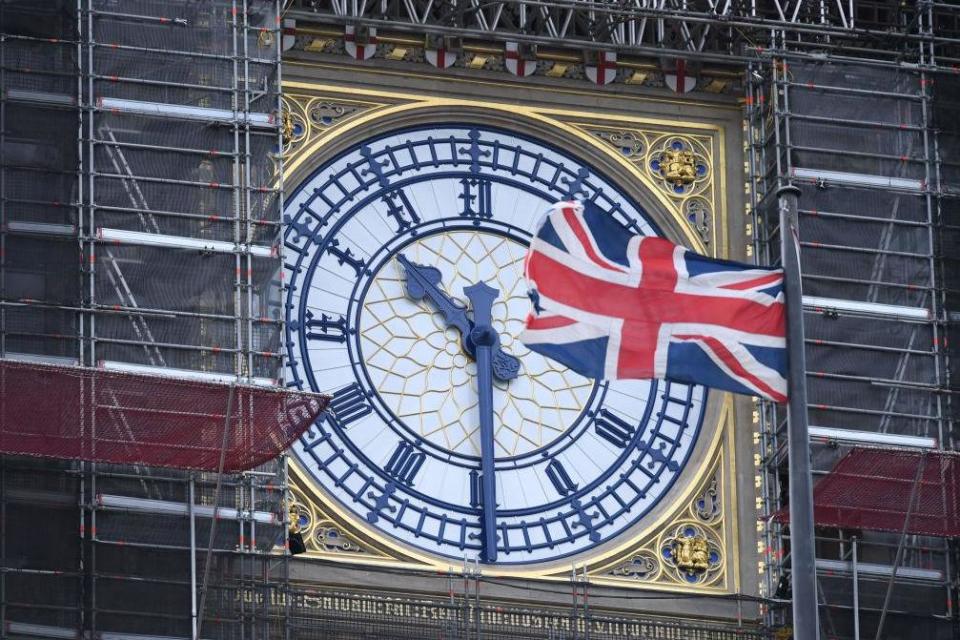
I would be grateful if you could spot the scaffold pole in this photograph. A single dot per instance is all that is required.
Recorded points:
(806, 625)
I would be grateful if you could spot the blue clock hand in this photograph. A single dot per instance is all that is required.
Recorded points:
(485, 340)
(423, 282)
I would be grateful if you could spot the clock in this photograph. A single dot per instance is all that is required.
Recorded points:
(387, 247)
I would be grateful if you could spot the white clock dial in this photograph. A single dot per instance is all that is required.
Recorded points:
(424, 376)
(577, 462)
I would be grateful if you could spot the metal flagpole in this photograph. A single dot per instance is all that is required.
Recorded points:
(806, 625)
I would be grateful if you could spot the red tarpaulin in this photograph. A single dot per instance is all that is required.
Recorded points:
(872, 488)
(105, 416)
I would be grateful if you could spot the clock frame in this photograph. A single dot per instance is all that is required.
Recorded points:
(329, 120)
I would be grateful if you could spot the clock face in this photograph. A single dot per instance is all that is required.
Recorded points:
(576, 461)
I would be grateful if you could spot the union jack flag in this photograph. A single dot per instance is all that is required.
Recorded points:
(611, 304)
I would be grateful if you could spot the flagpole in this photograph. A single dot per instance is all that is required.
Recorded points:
(806, 625)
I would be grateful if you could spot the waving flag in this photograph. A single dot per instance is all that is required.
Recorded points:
(612, 304)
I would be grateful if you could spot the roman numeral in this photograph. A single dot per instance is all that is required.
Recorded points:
(345, 256)
(476, 489)
(613, 429)
(477, 198)
(405, 463)
(349, 404)
(400, 209)
(326, 329)
(560, 478)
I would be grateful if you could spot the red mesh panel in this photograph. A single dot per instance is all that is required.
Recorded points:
(871, 488)
(105, 416)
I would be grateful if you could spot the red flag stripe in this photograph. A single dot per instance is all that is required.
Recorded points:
(773, 278)
(548, 322)
(584, 238)
(721, 351)
(574, 289)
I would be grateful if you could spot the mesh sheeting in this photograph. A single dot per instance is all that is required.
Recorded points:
(101, 416)
(871, 489)
(880, 372)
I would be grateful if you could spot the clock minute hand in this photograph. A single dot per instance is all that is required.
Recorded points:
(424, 282)
(485, 340)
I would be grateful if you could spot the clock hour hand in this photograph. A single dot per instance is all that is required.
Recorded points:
(424, 282)
(485, 340)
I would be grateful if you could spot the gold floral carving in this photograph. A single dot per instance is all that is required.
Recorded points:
(305, 118)
(682, 165)
(322, 534)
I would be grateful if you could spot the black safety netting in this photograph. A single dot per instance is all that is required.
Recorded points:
(866, 149)
(920, 599)
(34, 69)
(166, 279)
(857, 142)
(189, 159)
(946, 103)
(139, 206)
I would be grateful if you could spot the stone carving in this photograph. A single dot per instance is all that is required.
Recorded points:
(642, 566)
(692, 553)
(679, 164)
(330, 538)
(679, 167)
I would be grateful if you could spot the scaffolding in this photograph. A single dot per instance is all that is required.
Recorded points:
(867, 143)
(699, 31)
(140, 201)
(140, 194)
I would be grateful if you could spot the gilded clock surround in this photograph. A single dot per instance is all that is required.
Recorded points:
(690, 544)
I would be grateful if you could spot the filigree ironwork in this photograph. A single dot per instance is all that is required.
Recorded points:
(641, 566)
(422, 382)
(631, 145)
(325, 114)
(328, 536)
(697, 212)
(708, 505)
(303, 118)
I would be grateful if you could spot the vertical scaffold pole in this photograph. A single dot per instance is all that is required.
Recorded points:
(856, 593)
(806, 625)
(193, 561)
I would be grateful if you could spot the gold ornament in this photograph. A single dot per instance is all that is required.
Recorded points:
(679, 167)
(287, 124)
(691, 554)
(265, 39)
(293, 518)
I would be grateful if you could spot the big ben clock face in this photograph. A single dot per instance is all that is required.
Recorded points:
(576, 462)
